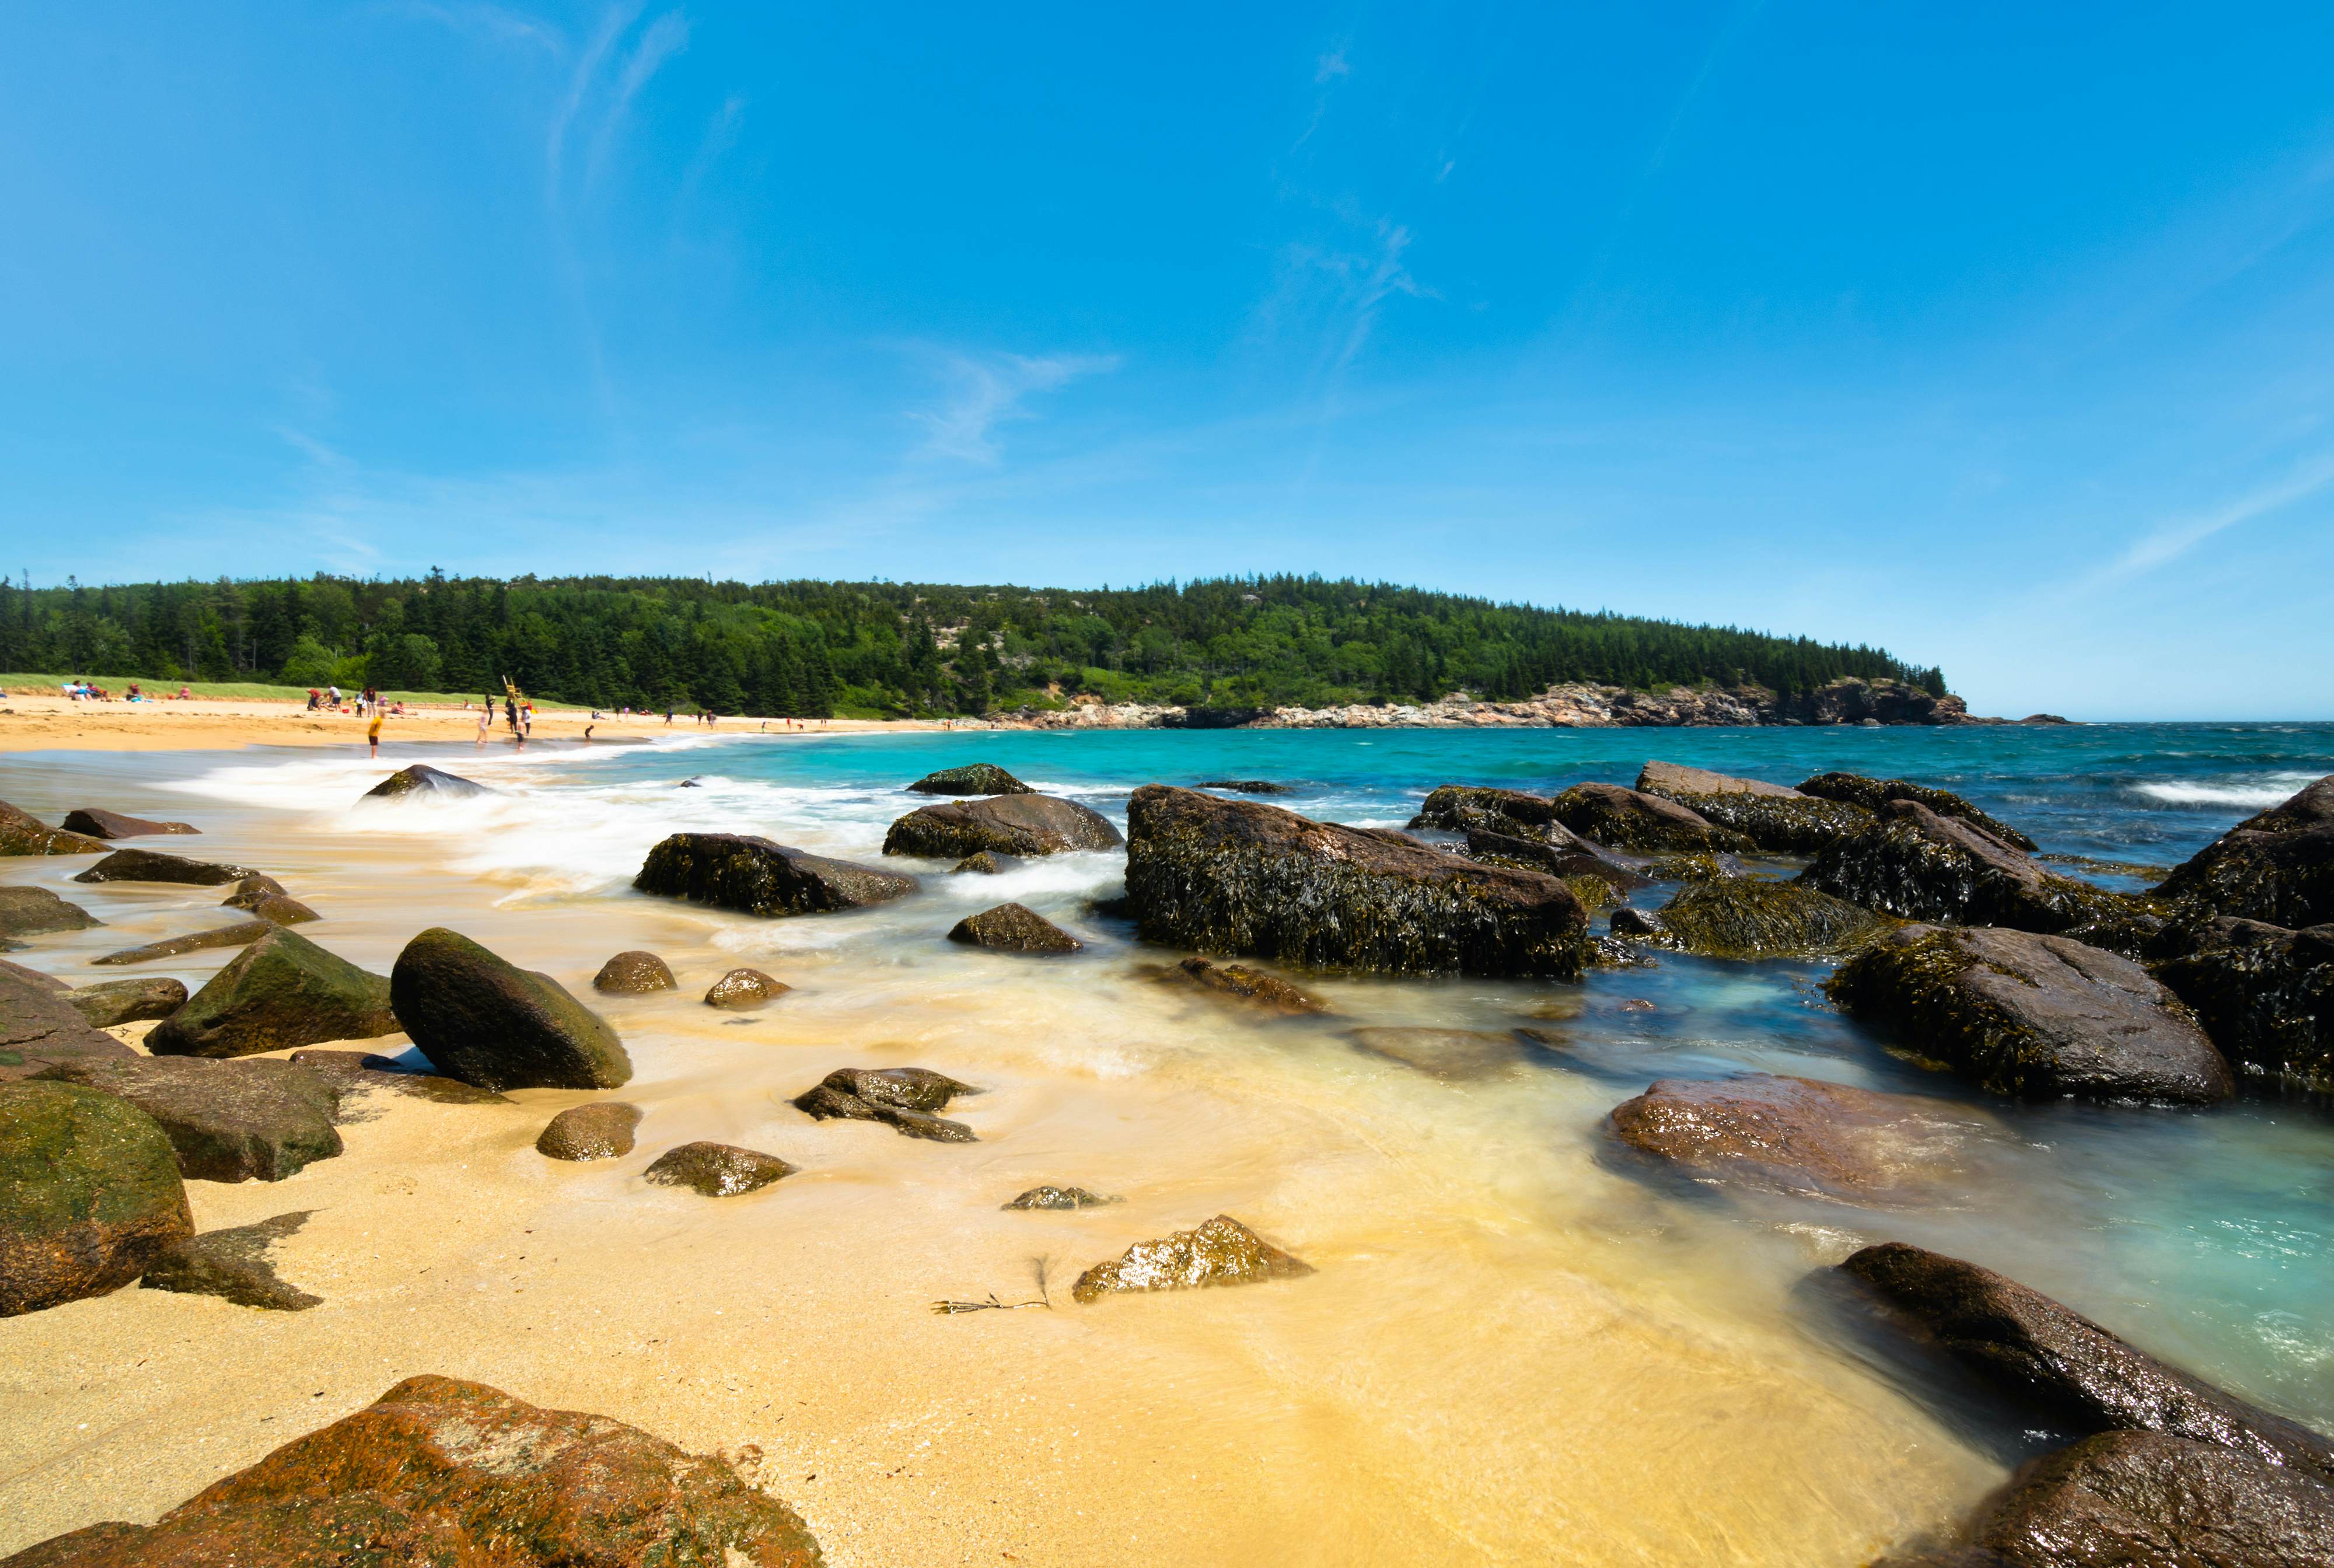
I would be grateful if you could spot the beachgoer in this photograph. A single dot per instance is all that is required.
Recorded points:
(486, 722)
(373, 731)
(587, 731)
(333, 691)
(668, 718)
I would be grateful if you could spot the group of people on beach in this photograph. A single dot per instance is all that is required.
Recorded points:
(79, 690)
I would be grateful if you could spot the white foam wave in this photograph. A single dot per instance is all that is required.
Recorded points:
(2256, 793)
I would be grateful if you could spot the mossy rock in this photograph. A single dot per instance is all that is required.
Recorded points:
(1461, 807)
(1221, 1251)
(2277, 868)
(34, 910)
(1629, 819)
(90, 1193)
(281, 991)
(1030, 823)
(480, 1017)
(229, 1121)
(1013, 928)
(2266, 996)
(242, 934)
(1059, 1197)
(21, 833)
(1570, 857)
(634, 973)
(153, 865)
(1751, 918)
(1874, 794)
(756, 876)
(1772, 816)
(111, 1002)
(742, 989)
(974, 778)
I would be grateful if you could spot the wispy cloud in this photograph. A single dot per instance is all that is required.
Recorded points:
(990, 390)
(1331, 66)
(663, 39)
(1340, 292)
(495, 22)
(2168, 541)
(612, 26)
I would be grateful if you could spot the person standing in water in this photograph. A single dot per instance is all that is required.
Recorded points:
(372, 731)
(486, 722)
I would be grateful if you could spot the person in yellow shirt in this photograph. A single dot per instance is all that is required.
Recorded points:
(373, 731)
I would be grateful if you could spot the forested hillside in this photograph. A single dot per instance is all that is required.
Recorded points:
(815, 648)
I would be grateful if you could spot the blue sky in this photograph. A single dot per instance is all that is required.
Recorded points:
(2003, 335)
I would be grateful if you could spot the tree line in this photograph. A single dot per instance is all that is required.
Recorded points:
(814, 649)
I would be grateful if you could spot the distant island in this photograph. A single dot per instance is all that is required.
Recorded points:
(1268, 651)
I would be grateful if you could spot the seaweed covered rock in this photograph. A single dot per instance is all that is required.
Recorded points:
(1463, 808)
(116, 1001)
(1003, 824)
(242, 934)
(1770, 815)
(2266, 996)
(986, 864)
(234, 1265)
(974, 778)
(90, 1193)
(32, 911)
(2068, 1368)
(21, 833)
(1221, 1251)
(281, 991)
(1247, 984)
(905, 1098)
(40, 1026)
(1013, 928)
(153, 865)
(584, 1132)
(1631, 819)
(742, 989)
(229, 1121)
(1797, 1136)
(482, 1019)
(632, 973)
(2277, 868)
(1243, 877)
(1053, 1197)
(1918, 866)
(425, 780)
(1570, 858)
(440, 1473)
(2033, 1016)
(716, 1170)
(1751, 917)
(1874, 794)
(97, 822)
(752, 875)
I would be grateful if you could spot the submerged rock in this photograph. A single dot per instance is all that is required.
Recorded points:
(90, 1193)
(1246, 984)
(1004, 825)
(974, 778)
(31, 911)
(2067, 1367)
(242, 934)
(716, 1170)
(1240, 876)
(2034, 1016)
(1874, 794)
(1053, 1197)
(581, 1132)
(634, 973)
(1444, 1053)
(985, 864)
(234, 1265)
(21, 833)
(229, 1121)
(444, 1474)
(902, 1097)
(480, 1017)
(1797, 1136)
(281, 991)
(153, 865)
(2266, 996)
(739, 871)
(1631, 819)
(116, 1001)
(2277, 868)
(40, 1026)
(745, 988)
(1247, 786)
(423, 780)
(1751, 918)
(1770, 815)
(97, 822)
(1221, 1251)
(1013, 928)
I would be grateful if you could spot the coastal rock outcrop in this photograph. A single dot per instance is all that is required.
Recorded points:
(743, 988)
(632, 973)
(40, 1026)
(2266, 996)
(153, 865)
(1798, 1135)
(584, 1132)
(2034, 1016)
(756, 876)
(242, 934)
(90, 1192)
(1240, 876)
(97, 822)
(234, 1265)
(423, 780)
(1013, 928)
(1631, 819)
(1002, 824)
(1874, 794)
(716, 1170)
(2277, 866)
(1770, 815)
(1751, 917)
(451, 1475)
(1053, 1197)
(973, 778)
(1221, 1251)
(480, 1017)
(1247, 984)
(116, 1001)
(281, 991)
(229, 1121)
(35, 911)
(21, 833)
(905, 1099)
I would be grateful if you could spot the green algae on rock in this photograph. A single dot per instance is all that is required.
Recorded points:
(90, 1193)
(1770, 815)
(973, 778)
(2266, 996)
(1058, 1197)
(1030, 823)
(21, 833)
(1751, 918)
(109, 1003)
(281, 991)
(756, 876)
(1221, 1251)
(241, 933)
(1459, 808)
(1874, 794)
(480, 1017)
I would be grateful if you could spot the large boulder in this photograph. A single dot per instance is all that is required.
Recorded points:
(2034, 1016)
(716, 1170)
(153, 865)
(229, 1121)
(40, 1026)
(2277, 866)
(1463, 808)
(1631, 819)
(1797, 1136)
(634, 973)
(99, 823)
(90, 1192)
(1769, 815)
(974, 778)
(425, 780)
(482, 1019)
(1751, 917)
(1013, 928)
(1874, 794)
(1221, 1251)
(1003, 824)
(31, 911)
(2068, 1368)
(739, 871)
(234, 1265)
(242, 934)
(109, 1003)
(2265, 995)
(905, 1099)
(1914, 864)
(21, 833)
(445, 1473)
(280, 991)
(1243, 877)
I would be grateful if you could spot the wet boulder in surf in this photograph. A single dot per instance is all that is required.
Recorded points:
(483, 1020)
(280, 991)
(1631, 819)
(1240, 876)
(264, 898)
(99, 823)
(744, 988)
(1247, 786)
(1459, 807)
(2277, 866)
(634, 973)
(32, 911)
(21, 833)
(90, 1193)
(2033, 1016)
(2065, 1366)
(1748, 917)
(1003, 824)
(974, 778)
(906, 1098)
(2266, 996)
(109, 1003)
(1058, 1197)
(1874, 794)
(40, 1025)
(229, 1121)
(756, 876)
(716, 1170)
(1798, 1135)
(154, 866)
(423, 781)
(1221, 1251)
(1013, 928)
(1769, 815)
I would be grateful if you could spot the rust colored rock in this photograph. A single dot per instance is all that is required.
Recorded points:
(632, 973)
(581, 1132)
(718, 1170)
(745, 988)
(1796, 1135)
(1222, 1252)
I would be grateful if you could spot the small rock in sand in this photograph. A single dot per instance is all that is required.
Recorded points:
(744, 988)
(633, 972)
(718, 1170)
(1053, 1197)
(581, 1132)
(1222, 1252)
